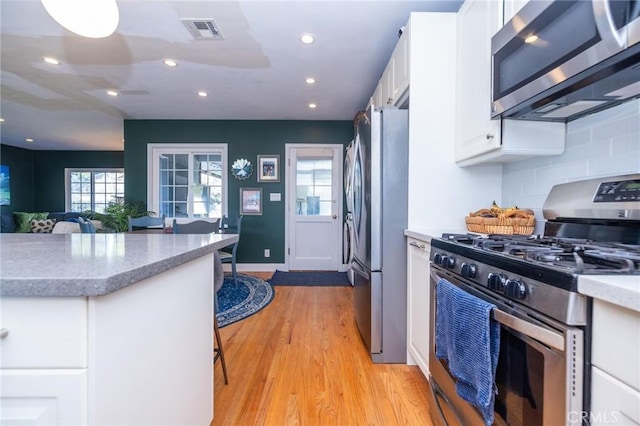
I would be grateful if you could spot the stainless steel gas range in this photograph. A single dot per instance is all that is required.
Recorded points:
(542, 374)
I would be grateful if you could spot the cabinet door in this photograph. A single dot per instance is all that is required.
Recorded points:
(43, 397)
(386, 84)
(418, 302)
(613, 402)
(400, 59)
(376, 99)
(476, 132)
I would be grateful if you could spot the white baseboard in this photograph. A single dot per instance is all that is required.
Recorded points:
(267, 267)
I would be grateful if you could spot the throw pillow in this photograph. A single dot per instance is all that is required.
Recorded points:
(23, 220)
(42, 225)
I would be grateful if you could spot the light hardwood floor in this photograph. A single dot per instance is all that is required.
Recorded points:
(301, 361)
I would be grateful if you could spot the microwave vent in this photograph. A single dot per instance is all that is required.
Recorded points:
(203, 29)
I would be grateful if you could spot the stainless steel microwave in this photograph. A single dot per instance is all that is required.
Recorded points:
(560, 60)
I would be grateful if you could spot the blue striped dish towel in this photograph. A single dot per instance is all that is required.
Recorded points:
(469, 340)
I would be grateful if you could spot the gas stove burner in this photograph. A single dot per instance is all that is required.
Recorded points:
(574, 255)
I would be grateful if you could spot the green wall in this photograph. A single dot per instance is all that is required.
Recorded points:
(245, 139)
(20, 162)
(37, 177)
(49, 169)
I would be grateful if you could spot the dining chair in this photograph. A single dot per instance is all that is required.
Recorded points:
(196, 227)
(228, 254)
(86, 226)
(145, 222)
(206, 227)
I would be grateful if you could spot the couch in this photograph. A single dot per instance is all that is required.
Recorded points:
(63, 222)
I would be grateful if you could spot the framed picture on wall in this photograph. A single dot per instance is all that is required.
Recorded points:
(250, 201)
(5, 186)
(268, 168)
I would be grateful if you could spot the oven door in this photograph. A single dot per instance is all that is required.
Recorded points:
(539, 373)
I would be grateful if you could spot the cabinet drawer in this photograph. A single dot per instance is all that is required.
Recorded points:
(613, 402)
(615, 348)
(44, 332)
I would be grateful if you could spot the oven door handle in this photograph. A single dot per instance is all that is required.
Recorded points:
(542, 335)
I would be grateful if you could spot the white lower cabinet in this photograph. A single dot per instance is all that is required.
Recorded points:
(615, 371)
(141, 355)
(418, 303)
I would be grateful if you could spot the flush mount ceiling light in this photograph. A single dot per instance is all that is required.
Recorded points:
(170, 63)
(88, 18)
(1, 119)
(310, 80)
(50, 60)
(202, 94)
(307, 38)
(29, 140)
(112, 93)
(313, 106)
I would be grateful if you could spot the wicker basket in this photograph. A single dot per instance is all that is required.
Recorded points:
(513, 222)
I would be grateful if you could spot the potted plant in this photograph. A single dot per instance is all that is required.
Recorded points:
(116, 214)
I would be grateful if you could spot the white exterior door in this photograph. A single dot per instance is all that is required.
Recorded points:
(314, 207)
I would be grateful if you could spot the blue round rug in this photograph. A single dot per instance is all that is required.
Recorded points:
(237, 302)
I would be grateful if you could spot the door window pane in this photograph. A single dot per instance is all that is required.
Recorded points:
(313, 187)
(191, 184)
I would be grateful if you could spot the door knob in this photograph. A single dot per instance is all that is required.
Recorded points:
(335, 216)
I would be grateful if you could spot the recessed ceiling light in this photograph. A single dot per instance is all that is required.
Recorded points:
(29, 140)
(310, 80)
(170, 63)
(531, 39)
(112, 93)
(93, 19)
(203, 94)
(312, 106)
(50, 60)
(307, 38)
(1, 119)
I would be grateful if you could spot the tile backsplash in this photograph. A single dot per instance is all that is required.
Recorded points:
(602, 144)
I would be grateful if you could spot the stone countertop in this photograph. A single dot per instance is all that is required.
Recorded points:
(424, 234)
(94, 264)
(620, 290)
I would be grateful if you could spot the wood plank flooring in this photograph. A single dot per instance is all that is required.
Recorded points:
(301, 361)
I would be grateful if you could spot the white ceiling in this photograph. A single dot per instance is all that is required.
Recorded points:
(256, 72)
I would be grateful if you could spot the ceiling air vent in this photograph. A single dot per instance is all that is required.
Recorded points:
(203, 29)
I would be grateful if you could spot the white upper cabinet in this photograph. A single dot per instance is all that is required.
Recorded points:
(393, 86)
(476, 133)
(479, 139)
(400, 60)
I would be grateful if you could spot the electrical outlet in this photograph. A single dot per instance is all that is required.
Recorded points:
(267, 253)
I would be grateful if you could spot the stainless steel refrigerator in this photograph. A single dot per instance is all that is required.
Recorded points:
(380, 181)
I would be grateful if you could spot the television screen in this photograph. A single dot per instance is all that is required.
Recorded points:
(5, 187)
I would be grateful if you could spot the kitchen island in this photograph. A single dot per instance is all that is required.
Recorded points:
(107, 329)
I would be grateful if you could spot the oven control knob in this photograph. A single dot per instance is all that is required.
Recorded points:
(448, 262)
(496, 282)
(437, 259)
(515, 289)
(468, 270)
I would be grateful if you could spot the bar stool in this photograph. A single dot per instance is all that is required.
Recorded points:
(206, 227)
(218, 280)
